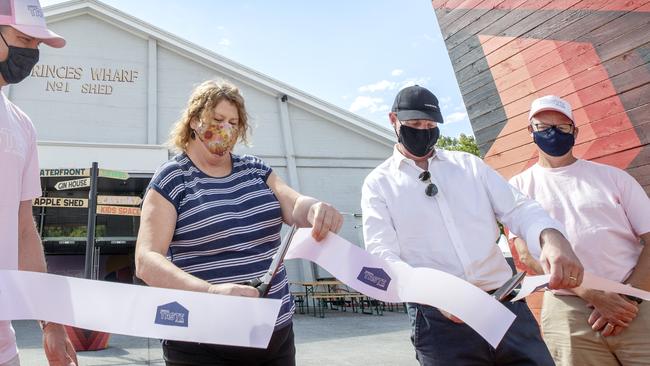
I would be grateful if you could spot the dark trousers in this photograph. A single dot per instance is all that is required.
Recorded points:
(439, 341)
(280, 352)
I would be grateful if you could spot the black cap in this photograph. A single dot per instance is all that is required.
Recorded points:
(416, 102)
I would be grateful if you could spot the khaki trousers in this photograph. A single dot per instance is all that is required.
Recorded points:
(571, 340)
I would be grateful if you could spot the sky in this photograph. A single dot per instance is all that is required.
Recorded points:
(355, 54)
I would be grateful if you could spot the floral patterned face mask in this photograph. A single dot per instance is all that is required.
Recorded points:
(218, 137)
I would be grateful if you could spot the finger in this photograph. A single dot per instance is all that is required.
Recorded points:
(318, 222)
(607, 331)
(339, 223)
(574, 278)
(580, 275)
(629, 306)
(617, 331)
(593, 317)
(328, 223)
(620, 322)
(557, 274)
(599, 324)
(545, 265)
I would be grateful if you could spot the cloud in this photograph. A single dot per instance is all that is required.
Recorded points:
(371, 104)
(385, 85)
(397, 72)
(455, 117)
(224, 42)
(378, 86)
(414, 81)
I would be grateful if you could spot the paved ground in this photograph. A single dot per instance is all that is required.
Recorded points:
(338, 339)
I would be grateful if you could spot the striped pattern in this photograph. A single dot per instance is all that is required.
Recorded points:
(228, 228)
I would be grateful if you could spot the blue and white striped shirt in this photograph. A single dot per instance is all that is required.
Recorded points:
(228, 228)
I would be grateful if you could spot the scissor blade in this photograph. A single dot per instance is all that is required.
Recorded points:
(505, 290)
(279, 256)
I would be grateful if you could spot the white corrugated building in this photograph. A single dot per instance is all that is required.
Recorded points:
(113, 92)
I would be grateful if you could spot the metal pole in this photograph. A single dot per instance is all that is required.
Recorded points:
(92, 215)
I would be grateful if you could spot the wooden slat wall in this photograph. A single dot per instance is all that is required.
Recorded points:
(594, 53)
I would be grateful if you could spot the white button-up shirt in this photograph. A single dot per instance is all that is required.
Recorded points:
(454, 231)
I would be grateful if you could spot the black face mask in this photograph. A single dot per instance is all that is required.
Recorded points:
(418, 142)
(19, 63)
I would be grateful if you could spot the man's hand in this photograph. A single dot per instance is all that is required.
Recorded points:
(559, 260)
(612, 313)
(232, 289)
(451, 317)
(323, 219)
(58, 348)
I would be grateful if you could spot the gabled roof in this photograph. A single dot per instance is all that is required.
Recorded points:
(232, 69)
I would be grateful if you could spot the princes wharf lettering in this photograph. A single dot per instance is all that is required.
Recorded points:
(84, 80)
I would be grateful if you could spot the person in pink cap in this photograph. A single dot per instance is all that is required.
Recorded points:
(606, 214)
(22, 30)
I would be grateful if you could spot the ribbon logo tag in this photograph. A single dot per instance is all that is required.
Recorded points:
(375, 277)
(173, 314)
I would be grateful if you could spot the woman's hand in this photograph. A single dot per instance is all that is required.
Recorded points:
(324, 218)
(232, 289)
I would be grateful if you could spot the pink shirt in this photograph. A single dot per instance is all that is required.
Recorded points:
(20, 182)
(603, 208)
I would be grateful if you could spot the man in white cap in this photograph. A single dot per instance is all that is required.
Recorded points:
(607, 218)
(22, 30)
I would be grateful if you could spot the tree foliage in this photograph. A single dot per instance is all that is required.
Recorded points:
(462, 143)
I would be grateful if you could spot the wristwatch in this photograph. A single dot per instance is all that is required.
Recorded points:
(634, 298)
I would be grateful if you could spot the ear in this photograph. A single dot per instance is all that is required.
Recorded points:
(575, 132)
(530, 129)
(194, 123)
(392, 116)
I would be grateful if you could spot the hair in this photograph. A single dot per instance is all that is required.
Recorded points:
(205, 97)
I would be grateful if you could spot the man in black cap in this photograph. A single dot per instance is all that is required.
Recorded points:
(439, 209)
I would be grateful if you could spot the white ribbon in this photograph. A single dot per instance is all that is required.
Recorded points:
(398, 282)
(138, 310)
(590, 280)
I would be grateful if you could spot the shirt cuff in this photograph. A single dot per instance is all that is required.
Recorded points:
(535, 230)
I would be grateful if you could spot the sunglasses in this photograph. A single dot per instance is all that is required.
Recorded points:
(431, 189)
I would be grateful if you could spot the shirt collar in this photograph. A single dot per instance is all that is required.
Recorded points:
(398, 158)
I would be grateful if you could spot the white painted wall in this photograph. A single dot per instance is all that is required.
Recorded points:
(332, 153)
(76, 116)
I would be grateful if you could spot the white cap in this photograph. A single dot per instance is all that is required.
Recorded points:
(27, 16)
(550, 103)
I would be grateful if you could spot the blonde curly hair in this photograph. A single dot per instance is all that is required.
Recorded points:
(204, 98)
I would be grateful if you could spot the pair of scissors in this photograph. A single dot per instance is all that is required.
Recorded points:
(263, 284)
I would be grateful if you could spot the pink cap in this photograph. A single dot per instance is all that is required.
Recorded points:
(27, 16)
(550, 103)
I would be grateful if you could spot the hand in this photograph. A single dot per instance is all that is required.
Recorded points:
(58, 348)
(611, 310)
(323, 219)
(232, 289)
(451, 317)
(608, 329)
(560, 261)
